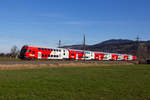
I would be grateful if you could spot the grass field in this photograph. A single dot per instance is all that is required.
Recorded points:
(77, 83)
(8, 59)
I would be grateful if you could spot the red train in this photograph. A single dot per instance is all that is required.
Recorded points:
(30, 52)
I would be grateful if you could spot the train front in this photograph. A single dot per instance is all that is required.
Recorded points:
(23, 52)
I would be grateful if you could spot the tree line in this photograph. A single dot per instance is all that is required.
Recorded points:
(14, 53)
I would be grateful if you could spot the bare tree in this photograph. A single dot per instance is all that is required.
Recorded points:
(142, 53)
(14, 51)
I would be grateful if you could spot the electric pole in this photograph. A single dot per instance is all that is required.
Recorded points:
(138, 48)
(137, 38)
(84, 46)
(59, 44)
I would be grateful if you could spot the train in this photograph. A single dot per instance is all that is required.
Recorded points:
(33, 52)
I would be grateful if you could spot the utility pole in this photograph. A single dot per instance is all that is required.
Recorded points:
(138, 49)
(84, 46)
(59, 44)
(137, 38)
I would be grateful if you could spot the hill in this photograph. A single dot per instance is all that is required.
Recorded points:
(115, 46)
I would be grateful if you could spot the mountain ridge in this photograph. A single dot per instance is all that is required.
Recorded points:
(123, 46)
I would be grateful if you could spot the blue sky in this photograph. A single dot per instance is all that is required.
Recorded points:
(44, 22)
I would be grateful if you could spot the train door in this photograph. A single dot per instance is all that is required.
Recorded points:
(92, 55)
(120, 57)
(88, 55)
(109, 56)
(106, 57)
(129, 57)
(99, 57)
(76, 56)
(39, 55)
(65, 54)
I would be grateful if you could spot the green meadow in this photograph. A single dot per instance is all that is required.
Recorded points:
(130, 82)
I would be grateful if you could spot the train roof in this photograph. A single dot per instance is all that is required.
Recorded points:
(42, 47)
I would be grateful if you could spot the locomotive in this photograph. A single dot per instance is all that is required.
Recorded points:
(31, 52)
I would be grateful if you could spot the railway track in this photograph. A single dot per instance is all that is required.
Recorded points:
(37, 62)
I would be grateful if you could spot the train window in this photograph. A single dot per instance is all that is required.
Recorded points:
(57, 50)
(81, 57)
(23, 50)
(48, 55)
(39, 48)
(42, 55)
(87, 52)
(28, 50)
(64, 53)
(42, 48)
(51, 55)
(64, 50)
(45, 49)
(45, 55)
(33, 52)
(72, 54)
(55, 55)
(54, 50)
(48, 49)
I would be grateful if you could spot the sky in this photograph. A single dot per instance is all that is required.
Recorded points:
(44, 22)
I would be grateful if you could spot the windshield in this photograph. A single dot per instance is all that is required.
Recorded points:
(23, 50)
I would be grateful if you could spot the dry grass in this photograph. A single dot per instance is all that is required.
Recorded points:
(33, 66)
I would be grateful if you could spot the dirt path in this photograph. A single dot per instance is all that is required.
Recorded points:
(43, 64)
